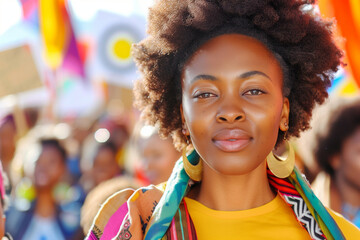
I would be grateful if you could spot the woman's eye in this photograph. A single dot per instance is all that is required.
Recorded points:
(205, 95)
(254, 92)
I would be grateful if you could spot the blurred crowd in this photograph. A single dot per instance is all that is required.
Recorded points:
(59, 174)
(55, 176)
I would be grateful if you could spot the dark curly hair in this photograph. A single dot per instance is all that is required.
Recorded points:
(54, 143)
(342, 125)
(299, 39)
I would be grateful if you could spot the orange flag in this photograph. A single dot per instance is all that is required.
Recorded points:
(347, 14)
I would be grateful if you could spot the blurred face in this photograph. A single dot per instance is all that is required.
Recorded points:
(349, 167)
(119, 136)
(105, 165)
(49, 168)
(7, 141)
(158, 157)
(232, 103)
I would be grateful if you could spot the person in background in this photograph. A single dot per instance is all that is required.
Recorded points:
(338, 155)
(4, 182)
(157, 156)
(14, 127)
(119, 136)
(7, 141)
(45, 218)
(105, 166)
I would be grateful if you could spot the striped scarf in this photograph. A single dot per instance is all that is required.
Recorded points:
(171, 220)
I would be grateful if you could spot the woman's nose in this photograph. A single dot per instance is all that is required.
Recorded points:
(230, 117)
(230, 114)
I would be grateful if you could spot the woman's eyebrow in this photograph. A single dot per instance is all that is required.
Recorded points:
(203, 77)
(252, 73)
(241, 76)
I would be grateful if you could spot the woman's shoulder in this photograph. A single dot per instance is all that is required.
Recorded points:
(349, 230)
(113, 211)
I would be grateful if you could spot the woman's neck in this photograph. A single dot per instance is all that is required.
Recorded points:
(349, 192)
(45, 204)
(231, 193)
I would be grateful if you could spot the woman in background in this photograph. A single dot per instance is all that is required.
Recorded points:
(338, 155)
(4, 183)
(45, 218)
(156, 156)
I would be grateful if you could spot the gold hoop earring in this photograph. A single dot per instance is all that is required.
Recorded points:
(193, 171)
(280, 167)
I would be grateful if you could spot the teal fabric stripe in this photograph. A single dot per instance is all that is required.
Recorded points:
(181, 224)
(319, 208)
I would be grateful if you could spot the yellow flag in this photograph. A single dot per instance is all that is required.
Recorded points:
(53, 29)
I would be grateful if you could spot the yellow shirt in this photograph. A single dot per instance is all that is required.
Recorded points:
(274, 220)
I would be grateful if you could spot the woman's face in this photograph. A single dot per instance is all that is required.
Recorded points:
(232, 103)
(49, 168)
(105, 165)
(158, 158)
(348, 164)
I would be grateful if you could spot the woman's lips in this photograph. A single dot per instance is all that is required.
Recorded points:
(231, 140)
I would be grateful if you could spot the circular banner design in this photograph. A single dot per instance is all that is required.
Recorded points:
(115, 47)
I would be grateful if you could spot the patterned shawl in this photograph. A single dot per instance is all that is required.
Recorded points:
(153, 213)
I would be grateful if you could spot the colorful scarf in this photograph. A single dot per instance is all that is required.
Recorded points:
(168, 217)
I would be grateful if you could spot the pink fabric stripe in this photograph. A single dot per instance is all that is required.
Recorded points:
(115, 221)
(173, 231)
(92, 237)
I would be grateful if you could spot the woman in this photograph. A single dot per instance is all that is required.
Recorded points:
(231, 79)
(105, 165)
(337, 153)
(44, 218)
(155, 157)
(4, 183)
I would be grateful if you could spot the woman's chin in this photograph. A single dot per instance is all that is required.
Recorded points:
(233, 167)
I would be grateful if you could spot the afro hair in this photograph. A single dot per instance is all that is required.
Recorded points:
(290, 28)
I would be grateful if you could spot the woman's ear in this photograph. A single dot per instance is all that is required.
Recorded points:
(335, 162)
(284, 122)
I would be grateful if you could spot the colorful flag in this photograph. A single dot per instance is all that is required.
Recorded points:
(61, 51)
(347, 14)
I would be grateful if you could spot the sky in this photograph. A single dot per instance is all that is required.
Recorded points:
(84, 10)
(82, 13)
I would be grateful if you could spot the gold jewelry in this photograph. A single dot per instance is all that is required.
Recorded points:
(183, 131)
(280, 167)
(285, 136)
(287, 128)
(193, 171)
